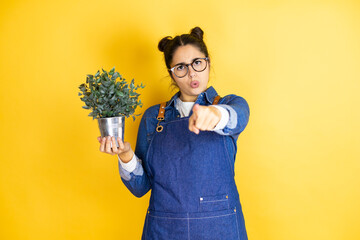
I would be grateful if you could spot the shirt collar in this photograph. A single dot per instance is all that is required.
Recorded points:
(208, 95)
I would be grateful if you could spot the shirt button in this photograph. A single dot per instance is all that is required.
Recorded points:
(178, 116)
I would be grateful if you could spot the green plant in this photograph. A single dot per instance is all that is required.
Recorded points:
(109, 96)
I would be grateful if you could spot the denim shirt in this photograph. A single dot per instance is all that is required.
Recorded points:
(137, 181)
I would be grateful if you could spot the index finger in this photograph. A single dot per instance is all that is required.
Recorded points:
(102, 145)
(192, 126)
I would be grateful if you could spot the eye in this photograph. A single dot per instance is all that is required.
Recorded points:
(197, 62)
(180, 67)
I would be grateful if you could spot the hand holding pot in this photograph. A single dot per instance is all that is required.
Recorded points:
(108, 145)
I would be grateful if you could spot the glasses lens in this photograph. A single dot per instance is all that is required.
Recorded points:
(180, 70)
(199, 65)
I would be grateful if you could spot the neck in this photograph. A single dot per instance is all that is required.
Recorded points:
(188, 98)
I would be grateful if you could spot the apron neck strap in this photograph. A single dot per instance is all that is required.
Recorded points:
(216, 100)
(161, 111)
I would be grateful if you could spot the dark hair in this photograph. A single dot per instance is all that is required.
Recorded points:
(168, 45)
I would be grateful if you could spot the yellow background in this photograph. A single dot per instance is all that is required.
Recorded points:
(295, 62)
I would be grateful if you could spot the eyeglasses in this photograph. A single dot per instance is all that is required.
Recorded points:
(199, 65)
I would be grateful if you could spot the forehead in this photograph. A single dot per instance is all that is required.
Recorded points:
(186, 54)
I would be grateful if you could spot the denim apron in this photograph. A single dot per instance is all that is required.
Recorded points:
(194, 195)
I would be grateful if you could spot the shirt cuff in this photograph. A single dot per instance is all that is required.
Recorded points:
(129, 166)
(224, 118)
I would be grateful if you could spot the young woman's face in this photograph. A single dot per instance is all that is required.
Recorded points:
(193, 83)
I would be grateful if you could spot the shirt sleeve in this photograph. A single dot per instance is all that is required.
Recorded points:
(133, 174)
(224, 118)
(239, 113)
(130, 169)
(129, 166)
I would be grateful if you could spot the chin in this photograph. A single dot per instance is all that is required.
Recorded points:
(198, 91)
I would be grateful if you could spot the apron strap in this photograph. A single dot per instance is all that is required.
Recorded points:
(161, 117)
(161, 111)
(216, 100)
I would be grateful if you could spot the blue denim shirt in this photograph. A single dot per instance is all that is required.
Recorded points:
(137, 181)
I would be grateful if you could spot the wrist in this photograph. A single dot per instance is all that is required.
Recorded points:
(126, 156)
(217, 112)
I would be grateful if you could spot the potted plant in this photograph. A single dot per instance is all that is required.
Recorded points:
(111, 99)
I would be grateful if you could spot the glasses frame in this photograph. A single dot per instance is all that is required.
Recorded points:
(187, 66)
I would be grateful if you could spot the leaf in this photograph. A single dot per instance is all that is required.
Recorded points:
(79, 94)
(97, 74)
(112, 71)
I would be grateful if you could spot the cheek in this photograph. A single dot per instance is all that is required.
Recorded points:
(181, 85)
(206, 77)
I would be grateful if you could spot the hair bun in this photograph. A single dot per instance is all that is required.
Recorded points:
(197, 32)
(163, 43)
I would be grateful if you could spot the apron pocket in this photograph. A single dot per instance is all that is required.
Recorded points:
(161, 227)
(214, 203)
(222, 225)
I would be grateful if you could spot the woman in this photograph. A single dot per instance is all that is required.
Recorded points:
(185, 152)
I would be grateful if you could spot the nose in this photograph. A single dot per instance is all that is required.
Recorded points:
(191, 72)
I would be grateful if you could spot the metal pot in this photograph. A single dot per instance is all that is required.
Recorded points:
(112, 126)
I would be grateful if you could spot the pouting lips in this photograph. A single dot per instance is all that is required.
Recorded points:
(194, 84)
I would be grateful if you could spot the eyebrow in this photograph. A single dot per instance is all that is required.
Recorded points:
(186, 63)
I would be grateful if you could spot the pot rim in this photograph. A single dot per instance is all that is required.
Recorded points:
(111, 117)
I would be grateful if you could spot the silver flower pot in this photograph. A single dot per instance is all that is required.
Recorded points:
(112, 126)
